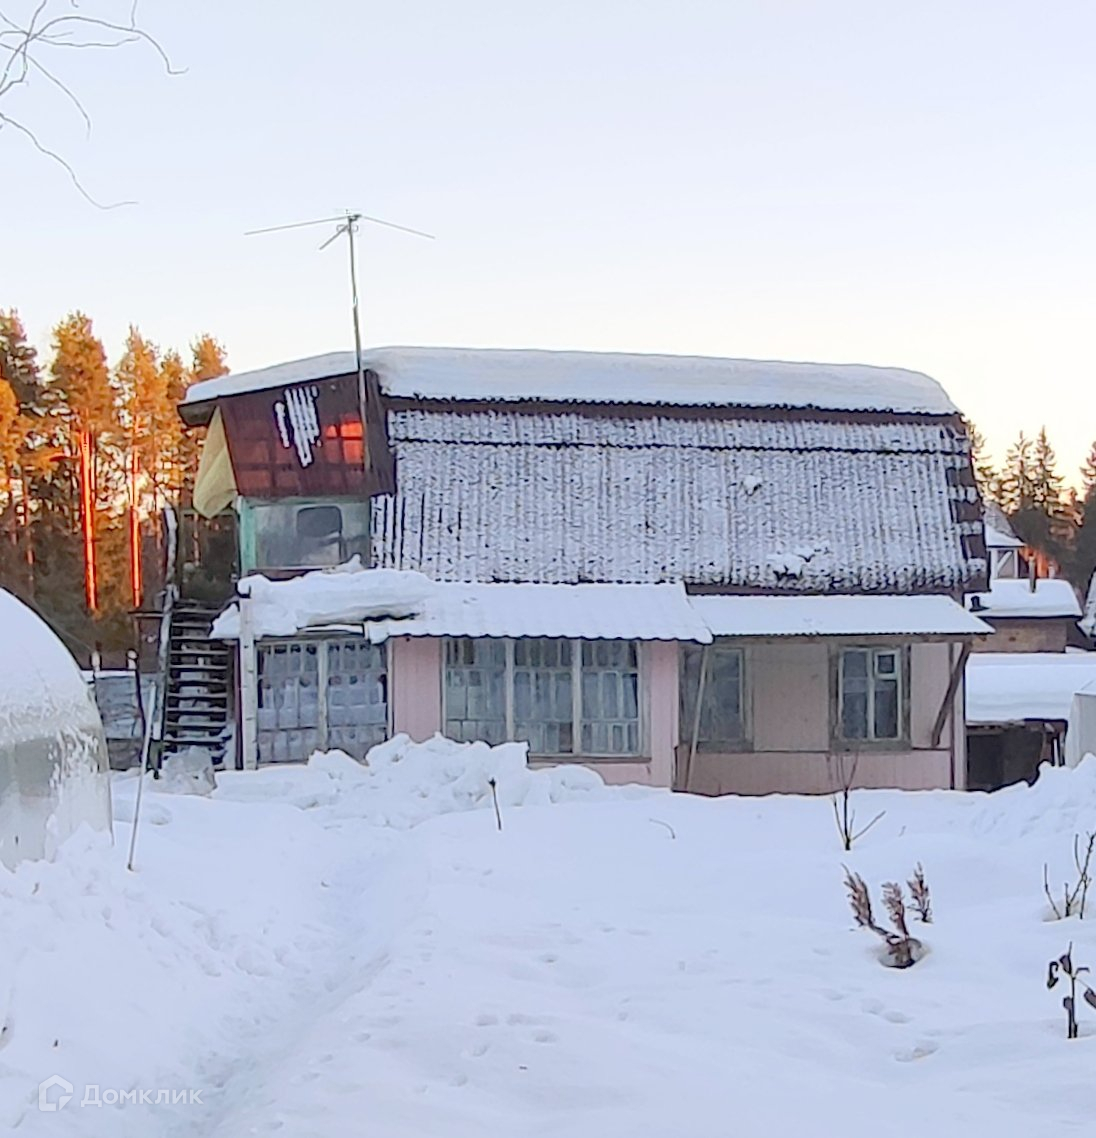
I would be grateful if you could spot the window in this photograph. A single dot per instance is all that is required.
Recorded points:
(870, 690)
(563, 697)
(723, 709)
(294, 535)
(320, 694)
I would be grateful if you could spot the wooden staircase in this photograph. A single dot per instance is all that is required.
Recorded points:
(197, 693)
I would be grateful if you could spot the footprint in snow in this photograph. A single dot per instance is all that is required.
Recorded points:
(486, 1019)
(921, 1051)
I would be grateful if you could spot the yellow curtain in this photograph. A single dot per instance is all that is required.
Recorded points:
(215, 483)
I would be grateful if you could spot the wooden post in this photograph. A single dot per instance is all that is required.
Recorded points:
(949, 696)
(249, 688)
(686, 774)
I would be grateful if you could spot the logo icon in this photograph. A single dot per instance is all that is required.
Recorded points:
(45, 1102)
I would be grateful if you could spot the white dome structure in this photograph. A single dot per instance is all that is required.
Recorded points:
(53, 756)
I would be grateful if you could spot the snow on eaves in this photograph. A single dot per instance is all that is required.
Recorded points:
(836, 616)
(1013, 597)
(1011, 687)
(385, 603)
(605, 377)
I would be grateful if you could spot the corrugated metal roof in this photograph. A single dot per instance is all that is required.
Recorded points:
(588, 612)
(604, 377)
(773, 504)
(837, 616)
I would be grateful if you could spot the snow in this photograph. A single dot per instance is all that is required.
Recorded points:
(1008, 687)
(348, 594)
(995, 539)
(1088, 621)
(622, 966)
(52, 749)
(1014, 597)
(836, 616)
(604, 377)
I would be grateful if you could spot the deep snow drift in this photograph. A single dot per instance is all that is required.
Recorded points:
(624, 965)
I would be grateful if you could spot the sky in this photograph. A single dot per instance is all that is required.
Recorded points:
(838, 181)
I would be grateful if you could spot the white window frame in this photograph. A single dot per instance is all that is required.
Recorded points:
(874, 651)
(577, 755)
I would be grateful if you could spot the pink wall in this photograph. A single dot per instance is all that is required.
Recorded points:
(415, 668)
(415, 697)
(789, 696)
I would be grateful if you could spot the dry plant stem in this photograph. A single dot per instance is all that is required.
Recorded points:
(1064, 966)
(844, 815)
(919, 893)
(495, 799)
(659, 822)
(1073, 900)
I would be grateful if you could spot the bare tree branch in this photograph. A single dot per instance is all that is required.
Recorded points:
(24, 44)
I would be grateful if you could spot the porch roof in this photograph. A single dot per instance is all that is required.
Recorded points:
(835, 615)
(1013, 687)
(587, 611)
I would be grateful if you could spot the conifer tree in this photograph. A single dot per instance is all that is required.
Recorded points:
(1033, 496)
(1084, 553)
(83, 403)
(985, 472)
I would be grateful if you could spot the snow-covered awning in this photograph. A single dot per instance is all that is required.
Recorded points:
(924, 616)
(382, 603)
(588, 612)
(1011, 687)
(1011, 597)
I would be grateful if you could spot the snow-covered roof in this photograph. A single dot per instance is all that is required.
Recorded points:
(1012, 597)
(999, 531)
(774, 503)
(604, 377)
(386, 603)
(1088, 621)
(588, 612)
(1010, 687)
(837, 616)
(995, 539)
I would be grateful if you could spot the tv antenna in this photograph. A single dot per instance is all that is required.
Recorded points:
(347, 223)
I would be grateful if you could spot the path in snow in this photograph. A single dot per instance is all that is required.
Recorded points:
(584, 974)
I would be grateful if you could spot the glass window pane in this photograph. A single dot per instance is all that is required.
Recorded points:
(610, 698)
(475, 690)
(543, 709)
(886, 709)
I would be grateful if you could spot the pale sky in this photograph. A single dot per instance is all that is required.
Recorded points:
(840, 180)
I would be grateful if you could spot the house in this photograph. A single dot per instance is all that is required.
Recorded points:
(713, 574)
(1028, 613)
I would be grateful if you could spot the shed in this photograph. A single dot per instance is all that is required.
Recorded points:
(53, 756)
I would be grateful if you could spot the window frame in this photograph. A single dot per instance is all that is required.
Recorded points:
(323, 728)
(641, 754)
(687, 705)
(250, 510)
(840, 741)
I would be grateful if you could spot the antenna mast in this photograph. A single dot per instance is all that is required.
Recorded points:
(348, 224)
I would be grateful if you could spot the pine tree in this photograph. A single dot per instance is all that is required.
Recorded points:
(985, 473)
(83, 403)
(1016, 481)
(208, 361)
(18, 360)
(1083, 563)
(1034, 492)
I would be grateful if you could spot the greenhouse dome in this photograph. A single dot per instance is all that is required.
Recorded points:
(53, 757)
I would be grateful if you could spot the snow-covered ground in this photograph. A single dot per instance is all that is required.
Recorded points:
(332, 951)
